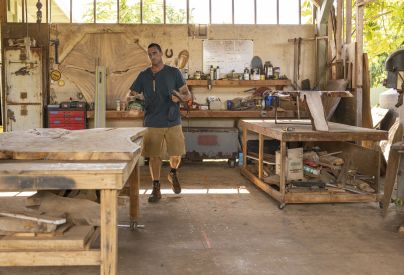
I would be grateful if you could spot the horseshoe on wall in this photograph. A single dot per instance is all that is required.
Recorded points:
(169, 53)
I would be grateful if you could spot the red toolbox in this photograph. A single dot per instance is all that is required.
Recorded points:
(67, 118)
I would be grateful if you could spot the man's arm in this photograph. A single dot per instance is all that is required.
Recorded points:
(182, 93)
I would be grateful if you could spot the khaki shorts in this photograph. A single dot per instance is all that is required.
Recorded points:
(156, 140)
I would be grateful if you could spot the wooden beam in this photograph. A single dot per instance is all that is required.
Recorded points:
(348, 16)
(47, 258)
(359, 59)
(322, 19)
(316, 3)
(338, 35)
(324, 11)
(3, 11)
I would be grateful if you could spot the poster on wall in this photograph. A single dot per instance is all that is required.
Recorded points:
(227, 54)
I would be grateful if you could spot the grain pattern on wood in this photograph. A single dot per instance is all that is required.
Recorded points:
(316, 109)
(61, 144)
(123, 58)
(73, 239)
(9, 225)
(51, 258)
(109, 233)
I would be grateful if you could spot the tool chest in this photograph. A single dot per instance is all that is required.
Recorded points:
(67, 118)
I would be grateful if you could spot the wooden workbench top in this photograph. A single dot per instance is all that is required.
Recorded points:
(60, 144)
(305, 132)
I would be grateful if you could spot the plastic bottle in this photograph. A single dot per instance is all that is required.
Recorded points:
(212, 72)
(217, 73)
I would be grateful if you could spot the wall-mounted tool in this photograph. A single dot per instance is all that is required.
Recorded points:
(56, 43)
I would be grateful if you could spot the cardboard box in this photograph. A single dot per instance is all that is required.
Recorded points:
(294, 164)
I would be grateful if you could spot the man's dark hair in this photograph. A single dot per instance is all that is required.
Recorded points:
(155, 45)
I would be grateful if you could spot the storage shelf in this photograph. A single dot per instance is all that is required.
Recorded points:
(239, 83)
(201, 114)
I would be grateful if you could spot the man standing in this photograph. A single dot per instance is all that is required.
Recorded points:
(162, 88)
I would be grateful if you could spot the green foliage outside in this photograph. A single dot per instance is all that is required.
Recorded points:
(130, 13)
(383, 34)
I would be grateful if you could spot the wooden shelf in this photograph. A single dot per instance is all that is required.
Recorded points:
(239, 83)
(200, 114)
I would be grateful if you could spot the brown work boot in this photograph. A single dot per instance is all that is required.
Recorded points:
(173, 179)
(156, 194)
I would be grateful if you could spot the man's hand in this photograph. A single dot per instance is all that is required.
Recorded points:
(176, 97)
(132, 95)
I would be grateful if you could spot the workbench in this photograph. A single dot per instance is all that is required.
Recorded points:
(295, 131)
(57, 159)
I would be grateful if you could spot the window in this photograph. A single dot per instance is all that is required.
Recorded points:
(199, 11)
(244, 12)
(176, 11)
(165, 11)
(306, 14)
(222, 12)
(83, 11)
(60, 11)
(14, 9)
(106, 11)
(153, 11)
(129, 11)
(289, 12)
(267, 12)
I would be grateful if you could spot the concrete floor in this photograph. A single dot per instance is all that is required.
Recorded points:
(246, 233)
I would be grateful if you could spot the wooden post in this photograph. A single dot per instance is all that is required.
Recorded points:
(260, 156)
(359, 60)
(283, 171)
(244, 147)
(134, 183)
(3, 11)
(391, 174)
(348, 16)
(109, 232)
(338, 31)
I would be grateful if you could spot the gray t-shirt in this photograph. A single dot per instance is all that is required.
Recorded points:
(160, 110)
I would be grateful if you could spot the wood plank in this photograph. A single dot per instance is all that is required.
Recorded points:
(44, 175)
(3, 11)
(330, 197)
(391, 175)
(74, 239)
(109, 232)
(316, 109)
(338, 31)
(9, 225)
(260, 156)
(51, 258)
(303, 132)
(34, 217)
(348, 16)
(61, 144)
(366, 107)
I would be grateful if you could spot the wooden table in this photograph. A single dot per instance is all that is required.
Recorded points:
(57, 159)
(296, 132)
